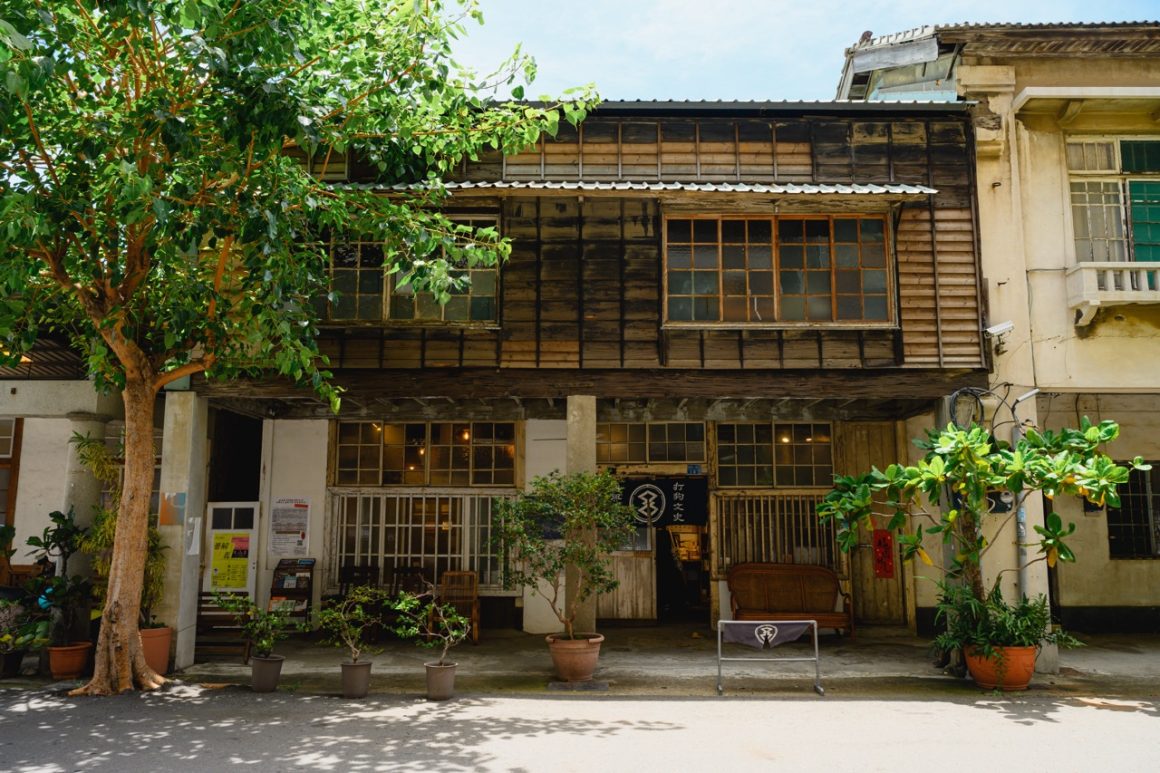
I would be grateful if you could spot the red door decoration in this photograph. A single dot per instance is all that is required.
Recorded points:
(883, 541)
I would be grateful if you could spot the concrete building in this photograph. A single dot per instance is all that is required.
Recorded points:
(1067, 159)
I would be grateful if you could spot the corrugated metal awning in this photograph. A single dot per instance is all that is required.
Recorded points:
(784, 189)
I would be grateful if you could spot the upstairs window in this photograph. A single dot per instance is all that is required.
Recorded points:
(372, 453)
(644, 443)
(1115, 199)
(364, 292)
(750, 271)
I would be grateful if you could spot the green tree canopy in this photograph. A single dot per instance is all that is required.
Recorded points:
(156, 211)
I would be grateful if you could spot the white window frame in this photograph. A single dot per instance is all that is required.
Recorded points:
(1103, 175)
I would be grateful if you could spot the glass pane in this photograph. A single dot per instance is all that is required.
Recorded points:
(705, 231)
(680, 282)
(680, 257)
(760, 232)
(681, 309)
(680, 231)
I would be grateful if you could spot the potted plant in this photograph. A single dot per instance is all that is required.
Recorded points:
(999, 641)
(20, 632)
(156, 637)
(344, 622)
(981, 483)
(566, 522)
(431, 624)
(62, 595)
(263, 628)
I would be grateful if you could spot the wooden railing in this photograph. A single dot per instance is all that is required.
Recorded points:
(777, 528)
(1092, 285)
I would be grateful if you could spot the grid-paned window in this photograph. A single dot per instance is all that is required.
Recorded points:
(788, 269)
(785, 455)
(1115, 199)
(364, 291)
(1134, 526)
(642, 443)
(419, 454)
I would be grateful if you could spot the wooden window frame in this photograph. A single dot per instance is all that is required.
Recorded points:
(889, 268)
(776, 441)
(387, 288)
(420, 456)
(603, 446)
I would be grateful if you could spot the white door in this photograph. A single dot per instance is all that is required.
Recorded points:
(232, 547)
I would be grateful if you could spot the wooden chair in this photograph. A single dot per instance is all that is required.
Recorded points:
(407, 579)
(352, 575)
(461, 590)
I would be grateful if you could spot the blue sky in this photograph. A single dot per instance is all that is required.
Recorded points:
(727, 49)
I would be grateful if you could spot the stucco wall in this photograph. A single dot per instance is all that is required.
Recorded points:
(293, 465)
(43, 482)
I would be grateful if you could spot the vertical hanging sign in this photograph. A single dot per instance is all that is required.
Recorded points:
(883, 543)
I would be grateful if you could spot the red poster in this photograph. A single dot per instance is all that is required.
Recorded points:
(883, 541)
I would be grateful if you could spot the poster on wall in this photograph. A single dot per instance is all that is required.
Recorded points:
(289, 524)
(231, 560)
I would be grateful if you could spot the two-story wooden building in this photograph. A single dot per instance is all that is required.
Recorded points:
(728, 301)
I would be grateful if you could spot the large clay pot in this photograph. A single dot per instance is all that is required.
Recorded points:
(440, 681)
(575, 659)
(264, 672)
(155, 644)
(70, 660)
(1011, 668)
(10, 663)
(356, 679)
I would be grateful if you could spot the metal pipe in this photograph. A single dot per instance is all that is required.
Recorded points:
(1021, 512)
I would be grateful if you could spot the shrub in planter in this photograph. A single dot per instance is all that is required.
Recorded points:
(431, 624)
(964, 473)
(20, 633)
(61, 595)
(263, 628)
(344, 623)
(566, 521)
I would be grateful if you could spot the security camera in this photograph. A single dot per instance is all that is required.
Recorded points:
(1000, 329)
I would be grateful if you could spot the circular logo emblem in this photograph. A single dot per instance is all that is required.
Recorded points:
(647, 503)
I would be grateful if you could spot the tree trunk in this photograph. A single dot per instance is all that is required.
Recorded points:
(120, 660)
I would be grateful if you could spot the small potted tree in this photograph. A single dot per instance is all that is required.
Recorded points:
(954, 492)
(263, 628)
(61, 594)
(566, 522)
(344, 623)
(20, 632)
(431, 624)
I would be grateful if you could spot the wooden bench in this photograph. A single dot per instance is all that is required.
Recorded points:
(218, 632)
(759, 591)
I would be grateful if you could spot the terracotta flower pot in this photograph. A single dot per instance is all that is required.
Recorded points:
(575, 659)
(155, 644)
(356, 679)
(70, 660)
(264, 672)
(1011, 668)
(440, 681)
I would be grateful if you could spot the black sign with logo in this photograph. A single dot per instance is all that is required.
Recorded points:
(667, 501)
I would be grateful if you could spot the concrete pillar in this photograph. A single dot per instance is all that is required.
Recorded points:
(183, 486)
(581, 458)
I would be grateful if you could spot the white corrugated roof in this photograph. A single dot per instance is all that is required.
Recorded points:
(905, 36)
(793, 189)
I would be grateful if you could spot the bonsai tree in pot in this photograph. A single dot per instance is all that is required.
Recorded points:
(156, 637)
(968, 485)
(566, 521)
(344, 623)
(431, 624)
(20, 633)
(62, 595)
(263, 628)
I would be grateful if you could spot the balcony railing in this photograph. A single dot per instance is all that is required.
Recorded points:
(1092, 285)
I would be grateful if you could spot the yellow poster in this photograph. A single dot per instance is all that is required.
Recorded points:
(231, 560)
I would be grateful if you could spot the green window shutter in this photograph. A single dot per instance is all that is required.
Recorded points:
(1140, 156)
(1144, 198)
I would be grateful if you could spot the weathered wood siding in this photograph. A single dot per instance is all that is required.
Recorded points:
(583, 286)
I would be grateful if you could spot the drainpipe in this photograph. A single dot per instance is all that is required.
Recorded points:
(1021, 513)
